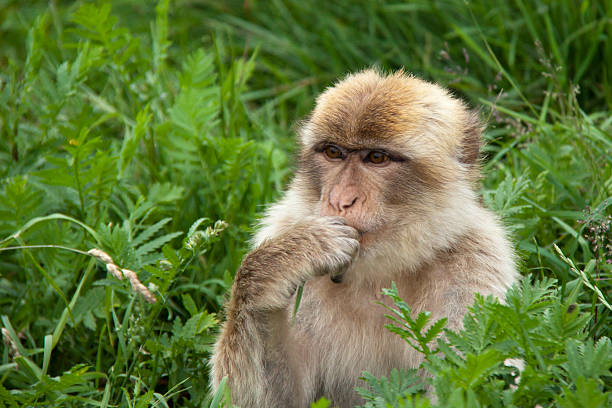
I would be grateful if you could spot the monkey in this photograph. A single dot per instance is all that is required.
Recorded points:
(385, 191)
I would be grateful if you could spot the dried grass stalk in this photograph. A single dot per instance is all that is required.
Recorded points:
(10, 344)
(119, 273)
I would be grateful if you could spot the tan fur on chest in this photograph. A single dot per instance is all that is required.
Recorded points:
(346, 325)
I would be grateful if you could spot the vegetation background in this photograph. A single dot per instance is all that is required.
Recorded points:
(157, 132)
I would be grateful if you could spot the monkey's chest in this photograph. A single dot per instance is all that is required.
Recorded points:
(347, 337)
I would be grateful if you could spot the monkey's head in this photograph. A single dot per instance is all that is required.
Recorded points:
(387, 153)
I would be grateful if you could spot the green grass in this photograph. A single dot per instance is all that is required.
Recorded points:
(157, 133)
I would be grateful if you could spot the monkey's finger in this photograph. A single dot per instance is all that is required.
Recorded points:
(337, 278)
(337, 275)
(349, 231)
(351, 249)
(335, 219)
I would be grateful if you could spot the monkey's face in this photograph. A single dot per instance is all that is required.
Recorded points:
(385, 152)
(370, 185)
(353, 183)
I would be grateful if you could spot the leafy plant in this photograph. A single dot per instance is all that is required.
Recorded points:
(534, 329)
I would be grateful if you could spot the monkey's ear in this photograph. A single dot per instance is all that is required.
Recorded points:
(469, 150)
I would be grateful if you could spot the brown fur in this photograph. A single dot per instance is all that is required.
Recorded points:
(414, 220)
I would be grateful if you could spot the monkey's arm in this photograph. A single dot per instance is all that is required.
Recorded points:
(255, 349)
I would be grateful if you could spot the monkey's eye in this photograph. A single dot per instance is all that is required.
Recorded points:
(333, 152)
(376, 157)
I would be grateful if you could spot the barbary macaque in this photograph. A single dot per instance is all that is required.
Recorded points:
(385, 191)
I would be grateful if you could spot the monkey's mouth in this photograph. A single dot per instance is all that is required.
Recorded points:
(369, 236)
(367, 228)
(361, 231)
(362, 227)
(365, 237)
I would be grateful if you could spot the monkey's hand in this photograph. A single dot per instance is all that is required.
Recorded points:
(338, 244)
(315, 246)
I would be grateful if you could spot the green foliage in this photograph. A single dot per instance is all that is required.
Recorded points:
(321, 403)
(478, 46)
(222, 397)
(534, 328)
(158, 133)
(409, 329)
(112, 146)
(395, 391)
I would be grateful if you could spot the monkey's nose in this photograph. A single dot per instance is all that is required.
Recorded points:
(342, 200)
(347, 205)
(343, 204)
